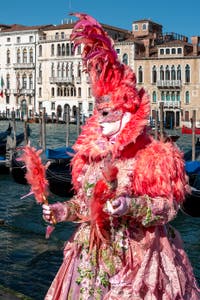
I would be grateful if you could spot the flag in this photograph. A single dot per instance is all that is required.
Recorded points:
(1, 86)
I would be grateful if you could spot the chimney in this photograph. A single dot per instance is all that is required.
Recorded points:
(195, 43)
(147, 47)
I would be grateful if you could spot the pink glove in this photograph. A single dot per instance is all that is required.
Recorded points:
(59, 210)
(118, 207)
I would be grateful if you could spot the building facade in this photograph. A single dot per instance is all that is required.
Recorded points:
(40, 69)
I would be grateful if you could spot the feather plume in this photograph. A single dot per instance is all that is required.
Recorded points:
(35, 173)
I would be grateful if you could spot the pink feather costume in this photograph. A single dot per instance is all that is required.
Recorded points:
(136, 255)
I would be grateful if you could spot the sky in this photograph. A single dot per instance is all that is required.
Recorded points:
(174, 15)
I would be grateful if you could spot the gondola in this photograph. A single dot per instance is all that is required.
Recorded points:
(59, 171)
(191, 205)
(4, 134)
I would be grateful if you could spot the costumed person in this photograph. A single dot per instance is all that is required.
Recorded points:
(128, 187)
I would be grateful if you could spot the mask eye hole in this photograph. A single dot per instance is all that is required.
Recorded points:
(104, 113)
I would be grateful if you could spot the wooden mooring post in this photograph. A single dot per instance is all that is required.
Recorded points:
(193, 120)
(43, 129)
(67, 126)
(161, 121)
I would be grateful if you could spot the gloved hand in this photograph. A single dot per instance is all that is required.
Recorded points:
(59, 211)
(118, 207)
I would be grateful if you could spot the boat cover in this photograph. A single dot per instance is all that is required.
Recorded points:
(59, 153)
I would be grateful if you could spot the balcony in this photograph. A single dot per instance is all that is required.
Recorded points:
(24, 92)
(58, 80)
(168, 83)
(54, 38)
(24, 66)
(171, 104)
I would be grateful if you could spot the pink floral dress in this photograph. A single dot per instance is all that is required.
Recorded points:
(144, 258)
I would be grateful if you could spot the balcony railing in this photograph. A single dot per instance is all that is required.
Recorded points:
(171, 104)
(169, 83)
(67, 80)
(25, 92)
(24, 66)
(53, 38)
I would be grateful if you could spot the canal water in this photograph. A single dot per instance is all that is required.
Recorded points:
(28, 261)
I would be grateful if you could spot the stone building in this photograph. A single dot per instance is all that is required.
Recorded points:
(39, 69)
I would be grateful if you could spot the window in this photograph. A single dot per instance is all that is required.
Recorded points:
(179, 72)
(30, 82)
(154, 97)
(144, 26)
(167, 73)
(18, 39)
(79, 92)
(53, 106)
(187, 74)
(8, 57)
(135, 27)
(24, 81)
(18, 56)
(187, 115)
(163, 96)
(62, 35)
(40, 93)
(31, 38)
(173, 50)
(56, 35)
(52, 92)
(40, 50)
(89, 92)
(125, 59)
(24, 56)
(40, 105)
(173, 96)
(63, 49)
(52, 50)
(79, 50)
(161, 73)
(178, 96)
(31, 55)
(118, 51)
(173, 73)
(40, 71)
(167, 51)
(162, 51)
(154, 74)
(90, 106)
(7, 99)
(187, 97)
(167, 96)
(8, 81)
(179, 50)
(58, 50)
(140, 75)
(8, 39)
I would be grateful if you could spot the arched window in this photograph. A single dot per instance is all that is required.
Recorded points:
(167, 96)
(67, 49)
(178, 96)
(58, 91)
(79, 92)
(79, 70)
(8, 57)
(187, 73)
(163, 96)
(72, 70)
(179, 72)
(161, 73)
(173, 96)
(52, 50)
(31, 55)
(140, 75)
(67, 70)
(24, 56)
(30, 81)
(8, 81)
(58, 70)
(40, 71)
(167, 73)
(63, 49)
(63, 70)
(24, 81)
(18, 56)
(40, 50)
(58, 50)
(154, 97)
(52, 92)
(173, 73)
(187, 97)
(52, 70)
(154, 74)
(125, 59)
